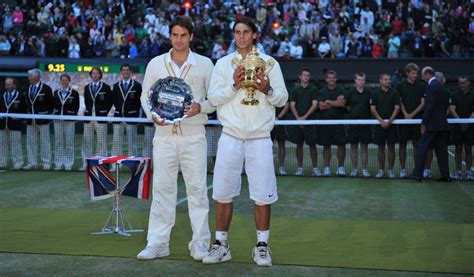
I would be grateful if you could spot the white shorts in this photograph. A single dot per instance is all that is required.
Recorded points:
(258, 156)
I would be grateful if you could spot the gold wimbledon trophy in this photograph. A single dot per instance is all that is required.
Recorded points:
(252, 65)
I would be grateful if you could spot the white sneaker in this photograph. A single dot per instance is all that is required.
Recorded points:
(299, 171)
(261, 254)
(217, 254)
(152, 252)
(46, 167)
(341, 171)
(316, 172)
(391, 174)
(403, 173)
(68, 168)
(468, 175)
(379, 174)
(30, 166)
(365, 173)
(327, 171)
(457, 176)
(427, 173)
(57, 168)
(198, 250)
(354, 173)
(83, 167)
(282, 170)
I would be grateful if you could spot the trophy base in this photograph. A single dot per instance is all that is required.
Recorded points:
(249, 101)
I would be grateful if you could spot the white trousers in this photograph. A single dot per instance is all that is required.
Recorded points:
(117, 144)
(169, 153)
(44, 142)
(11, 139)
(148, 141)
(64, 143)
(90, 129)
(258, 157)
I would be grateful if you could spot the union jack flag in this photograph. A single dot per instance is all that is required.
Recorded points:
(101, 184)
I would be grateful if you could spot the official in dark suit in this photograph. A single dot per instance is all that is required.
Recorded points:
(66, 102)
(98, 99)
(11, 101)
(127, 93)
(434, 127)
(40, 101)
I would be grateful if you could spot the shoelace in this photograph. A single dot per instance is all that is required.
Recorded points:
(262, 251)
(214, 250)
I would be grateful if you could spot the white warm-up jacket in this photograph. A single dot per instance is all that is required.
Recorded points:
(238, 120)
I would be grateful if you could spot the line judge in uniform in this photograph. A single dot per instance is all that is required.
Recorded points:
(66, 102)
(126, 94)
(98, 99)
(40, 101)
(11, 101)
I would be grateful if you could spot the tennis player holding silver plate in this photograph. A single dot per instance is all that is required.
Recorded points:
(179, 141)
(168, 98)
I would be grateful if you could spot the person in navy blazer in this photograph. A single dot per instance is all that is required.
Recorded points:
(98, 99)
(434, 127)
(40, 101)
(66, 102)
(11, 101)
(126, 95)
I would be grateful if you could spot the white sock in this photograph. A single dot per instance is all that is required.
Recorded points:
(222, 237)
(263, 236)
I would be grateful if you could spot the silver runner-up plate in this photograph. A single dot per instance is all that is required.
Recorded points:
(168, 97)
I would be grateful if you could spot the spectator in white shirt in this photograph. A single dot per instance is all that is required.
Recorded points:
(296, 50)
(324, 49)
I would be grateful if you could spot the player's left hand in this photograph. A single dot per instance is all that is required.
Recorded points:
(192, 109)
(263, 83)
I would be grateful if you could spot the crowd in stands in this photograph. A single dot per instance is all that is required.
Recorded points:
(289, 29)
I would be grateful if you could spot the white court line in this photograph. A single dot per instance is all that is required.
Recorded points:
(182, 200)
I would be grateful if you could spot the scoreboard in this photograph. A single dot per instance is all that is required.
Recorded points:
(86, 68)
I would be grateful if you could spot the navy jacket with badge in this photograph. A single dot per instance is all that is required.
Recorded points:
(437, 102)
(40, 103)
(16, 105)
(67, 105)
(127, 102)
(101, 102)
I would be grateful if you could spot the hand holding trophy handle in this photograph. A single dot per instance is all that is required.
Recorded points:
(239, 76)
(263, 83)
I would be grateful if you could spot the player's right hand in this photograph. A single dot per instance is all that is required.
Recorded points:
(239, 76)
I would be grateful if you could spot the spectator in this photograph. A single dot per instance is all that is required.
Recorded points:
(393, 46)
(74, 49)
(144, 48)
(7, 21)
(5, 46)
(367, 13)
(324, 49)
(366, 48)
(218, 49)
(133, 51)
(337, 47)
(353, 47)
(17, 16)
(296, 50)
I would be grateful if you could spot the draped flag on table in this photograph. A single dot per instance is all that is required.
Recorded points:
(101, 183)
